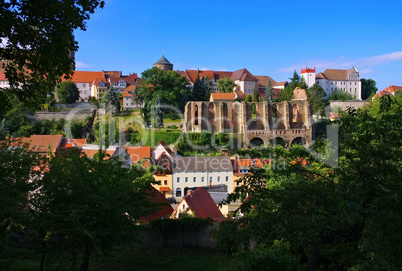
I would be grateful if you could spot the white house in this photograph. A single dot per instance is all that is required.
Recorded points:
(200, 171)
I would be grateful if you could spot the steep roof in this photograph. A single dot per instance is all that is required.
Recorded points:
(202, 163)
(263, 80)
(192, 74)
(131, 79)
(164, 162)
(127, 91)
(166, 147)
(86, 77)
(240, 94)
(202, 204)
(393, 88)
(100, 79)
(243, 75)
(163, 61)
(336, 74)
(222, 96)
(166, 208)
(138, 153)
(320, 76)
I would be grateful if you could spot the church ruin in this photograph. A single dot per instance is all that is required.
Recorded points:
(259, 123)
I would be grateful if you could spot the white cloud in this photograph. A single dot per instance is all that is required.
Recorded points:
(366, 71)
(381, 59)
(81, 65)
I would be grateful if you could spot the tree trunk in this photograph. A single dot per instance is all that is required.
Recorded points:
(312, 257)
(85, 264)
(42, 260)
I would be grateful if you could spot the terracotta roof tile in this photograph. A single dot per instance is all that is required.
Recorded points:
(222, 74)
(3, 76)
(158, 198)
(44, 143)
(192, 74)
(138, 153)
(335, 74)
(222, 96)
(243, 75)
(85, 77)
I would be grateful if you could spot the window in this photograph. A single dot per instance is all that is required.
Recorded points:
(178, 192)
(85, 92)
(83, 85)
(210, 179)
(178, 179)
(219, 178)
(227, 178)
(202, 179)
(194, 179)
(165, 182)
(186, 179)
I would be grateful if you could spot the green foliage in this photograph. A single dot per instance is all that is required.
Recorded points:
(158, 112)
(198, 92)
(269, 93)
(4, 129)
(248, 99)
(90, 205)
(170, 86)
(285, 95)
(38, 37)
(368, 88)
(294, 81)
(111, 101)
(228, 236)
(302, 83)
(316, 98)
(106, 131)
(340, 96)
(152, 137)
(186, 222)
(225, 85)
(67, 92)
(332, 218)
(255, 95)
(136, 97)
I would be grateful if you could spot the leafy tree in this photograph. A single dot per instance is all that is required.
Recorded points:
(90, 205)
(248, 99)
(255, 95)
(340, 96)
(67, 92)
(331, 218)
(169, 85)
(4, 129)
(197, 93)
(38, 39)
(302, 83)
(285, 95)
(158, 112)
(294, 81)
(206, 84)
(225, 85)
(368, 88)
(316, 98)
(269, 92)
(111, 101)
(136, 98)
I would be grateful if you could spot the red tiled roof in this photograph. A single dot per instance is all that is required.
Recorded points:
(138, 153)
(128, 90)
(73, 143)
(192, 74)
(3, 76)
(240, 94)
(222, 74)
(90, 152)
(98, 80)
(85, 77)
(42, 143)
(243, 75)
(164, 162)
(159, 199)
(222, 96)
(202, 204)
(131, 79)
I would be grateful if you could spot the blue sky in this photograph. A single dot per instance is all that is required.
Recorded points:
(267, 37)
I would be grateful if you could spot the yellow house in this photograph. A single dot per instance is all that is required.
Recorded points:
(163, 175)
(241, 168)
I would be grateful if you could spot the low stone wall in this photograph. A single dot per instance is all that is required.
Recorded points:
(65, 114)
(343, 105)
(199, 237)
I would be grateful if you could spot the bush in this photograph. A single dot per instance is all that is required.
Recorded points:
(173, 116)
(172, 127)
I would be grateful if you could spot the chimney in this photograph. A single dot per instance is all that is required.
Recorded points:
(189, 192)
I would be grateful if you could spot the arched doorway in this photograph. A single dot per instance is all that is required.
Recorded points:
(178, 192)
(298, 140)
(195, 114)
(278, 141)
(185, 191)
(256, 142)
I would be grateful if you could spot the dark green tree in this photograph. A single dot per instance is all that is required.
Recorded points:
(4, 129)
(368, 88)
(37, 42)
(340, 95)
(285, 95)
(269, 92)
(302, 83)
(294, 81)
(67, 92)
(248, 99)
(197, 92)
(225, 85)
(158, 112)
(90, 205)
(255, 95)
(316, 98)
(136, 98)
(111, 101)
(206, 84)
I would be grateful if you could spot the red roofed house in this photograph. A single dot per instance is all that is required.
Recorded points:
(84, 80)
(245, 81)
(160, 148)
(387, 91)
(3, 81)
(138, 153)
(165, 208)
(242, 167)
(42, 144)
(222, 97)
(198, 203)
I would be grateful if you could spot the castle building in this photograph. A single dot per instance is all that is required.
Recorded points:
(164, 64)
(309, 76)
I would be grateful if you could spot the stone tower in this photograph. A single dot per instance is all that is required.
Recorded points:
(309, 76)
(164, 64)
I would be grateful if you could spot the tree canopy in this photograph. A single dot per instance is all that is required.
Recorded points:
(316, 98)
(67, 92)
(269, 92)
(368, 88)
(111, 101)
(343, 217)
(201, 89)
(37, 42)
(340, 95)
(225, 85)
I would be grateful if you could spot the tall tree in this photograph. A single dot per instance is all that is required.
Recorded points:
(136, 97)
(255, 95)
(206, 84)
(368, 88)
(316, 98)
(269, 92)
(225, 85)
(170, 86)
(294, 81)
(302, 83)
(111, 101)
(248, 99)
(198, 92)
(90, 205)
(67, 92)
(158, 112)
(37, 42)
(4, 129)
(286, 94)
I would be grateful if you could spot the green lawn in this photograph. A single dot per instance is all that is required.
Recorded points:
(153, 259)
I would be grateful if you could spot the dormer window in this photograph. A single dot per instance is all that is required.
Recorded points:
(115, 84)
(122, 83)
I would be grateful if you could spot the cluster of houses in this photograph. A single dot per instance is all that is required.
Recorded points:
(176, 177)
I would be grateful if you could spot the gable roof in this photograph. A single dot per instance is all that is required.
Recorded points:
(85, 76)
(202, 163)
(336, 74)
(137, 153)
(44, 143)
(222, 96)
(98, 80)
(73, 143)
(157, 197)
(243, 75)
(127, 90)
(320, 76)
(240, 94)
(164, 162)
(192, 74)
(202, 204)
(166, 147)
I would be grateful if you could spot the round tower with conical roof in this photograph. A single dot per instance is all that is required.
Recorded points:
(164, 64)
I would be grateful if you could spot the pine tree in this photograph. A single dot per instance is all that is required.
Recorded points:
(255, 95)
(197, 92)
(269, 92)
(294, 81)
(158, 112)
(136, 98)
(206, 84)
(111, 101)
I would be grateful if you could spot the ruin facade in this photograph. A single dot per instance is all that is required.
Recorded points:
(259, 123)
